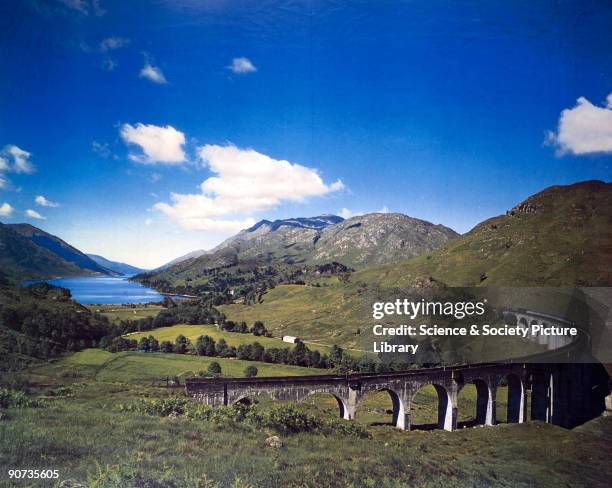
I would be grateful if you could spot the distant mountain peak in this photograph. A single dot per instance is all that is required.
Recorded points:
(319, 222)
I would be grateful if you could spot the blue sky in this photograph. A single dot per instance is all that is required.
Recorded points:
(447, 111)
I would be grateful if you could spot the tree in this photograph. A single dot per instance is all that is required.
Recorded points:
(259, 329)
(222, 348)
(300, 354)
(166, 346)
(153, 344)
(257, 351)
(143, 344)
(250, 372)
(205, 346)
(214, 368)
(181, 344)
(335, 356)
(244, 351)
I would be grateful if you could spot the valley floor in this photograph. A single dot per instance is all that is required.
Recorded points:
(83, 434)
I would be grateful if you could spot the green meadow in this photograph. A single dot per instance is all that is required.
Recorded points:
(82, 432)
(192, 332)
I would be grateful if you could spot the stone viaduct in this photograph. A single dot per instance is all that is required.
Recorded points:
(563, 392)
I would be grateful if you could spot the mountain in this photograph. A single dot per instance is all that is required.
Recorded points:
(378, 238)
(58, 247)
(184, 257)
(288, 240)
(121, 268)
(561, 236)
(22, 259)
(305, 243)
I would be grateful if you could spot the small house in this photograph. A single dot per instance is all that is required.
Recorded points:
(291, 339)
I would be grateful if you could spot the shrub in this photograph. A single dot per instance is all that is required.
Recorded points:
(18, 399)
(214, 368)
(250, 372)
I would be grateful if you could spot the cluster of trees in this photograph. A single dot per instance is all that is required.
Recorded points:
(45, 322)
(258, 329)
(182, 312)
(299, 355)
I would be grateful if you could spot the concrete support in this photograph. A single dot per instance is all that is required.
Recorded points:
(484, 403)
(516, 400)
(399, 411)
(541, 396)
(447, 408)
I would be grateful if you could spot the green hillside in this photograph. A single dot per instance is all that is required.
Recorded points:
(561, 236)
(22, 259)
(42, 321)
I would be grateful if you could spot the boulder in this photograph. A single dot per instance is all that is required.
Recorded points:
(274, 442)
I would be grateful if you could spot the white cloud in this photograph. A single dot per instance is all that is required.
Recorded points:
(247, 182)
(85, 6)
(101, 149)
(4, 166)
(148, 222)
(345, 213)
(158, 144)
(241, 66)
(21, 159)
(34, 214)
(109, 64)
(584, 129)
(112, 43)
(6, 210)
(43, 202)
(153, 73)
(4, 183)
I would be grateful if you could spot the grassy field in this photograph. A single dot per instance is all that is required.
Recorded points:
(151, 368)
(115, 313)
(88, 439)
(192, 332)
(327, 315)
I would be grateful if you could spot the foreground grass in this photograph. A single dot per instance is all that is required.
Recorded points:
(88, 439)
(79, 434)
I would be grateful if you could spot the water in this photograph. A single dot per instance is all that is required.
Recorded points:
(106, 290)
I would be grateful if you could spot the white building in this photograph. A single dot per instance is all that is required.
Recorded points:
(291, 339)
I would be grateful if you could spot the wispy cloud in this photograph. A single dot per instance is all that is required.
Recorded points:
(33, 214)
(100, 148)
(241, 66)
(246, 182)
(21, 159)
(583, 129)
(345, 213)
(85, 7)
(13, 159)
(153, 73)
(43, 202)
(6, 210)
(158, 144)
(112, 43)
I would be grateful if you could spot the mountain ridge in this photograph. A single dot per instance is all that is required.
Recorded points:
(116, 266)
(59, 247)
